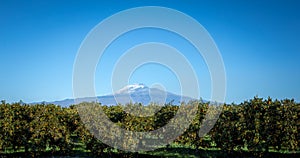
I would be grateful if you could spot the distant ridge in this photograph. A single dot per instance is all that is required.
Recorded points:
(135, 93)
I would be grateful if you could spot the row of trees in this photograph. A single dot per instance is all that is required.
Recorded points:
(259, 125)
(36, 128)
(254, 125)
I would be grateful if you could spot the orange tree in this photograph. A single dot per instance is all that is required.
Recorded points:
(49, 129)
(6, 121)
(228, 131)
(290, 124)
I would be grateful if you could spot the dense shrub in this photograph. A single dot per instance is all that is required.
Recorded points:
(256, 125)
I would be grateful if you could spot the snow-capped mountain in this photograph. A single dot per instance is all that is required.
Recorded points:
(132, 88)
(135, 93)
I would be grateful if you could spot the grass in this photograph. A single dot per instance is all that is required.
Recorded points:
(174, 150)
(163, 152)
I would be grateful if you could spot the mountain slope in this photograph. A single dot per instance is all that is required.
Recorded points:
(136, 93)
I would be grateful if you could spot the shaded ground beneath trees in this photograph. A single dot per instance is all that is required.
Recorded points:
(162, 152)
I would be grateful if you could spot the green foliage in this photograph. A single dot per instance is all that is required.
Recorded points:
(228, 132)
(259, 125)
(256, 125)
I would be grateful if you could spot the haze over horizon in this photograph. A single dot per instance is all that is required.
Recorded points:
(259, 42)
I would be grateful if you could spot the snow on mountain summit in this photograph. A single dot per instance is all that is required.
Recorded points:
(132, 88)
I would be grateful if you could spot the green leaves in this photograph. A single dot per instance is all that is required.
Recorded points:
(259, 125)
(256, 125)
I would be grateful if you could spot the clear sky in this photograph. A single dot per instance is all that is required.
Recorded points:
(258, 40)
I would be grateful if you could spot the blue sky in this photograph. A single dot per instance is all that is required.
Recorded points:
(258, 40)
